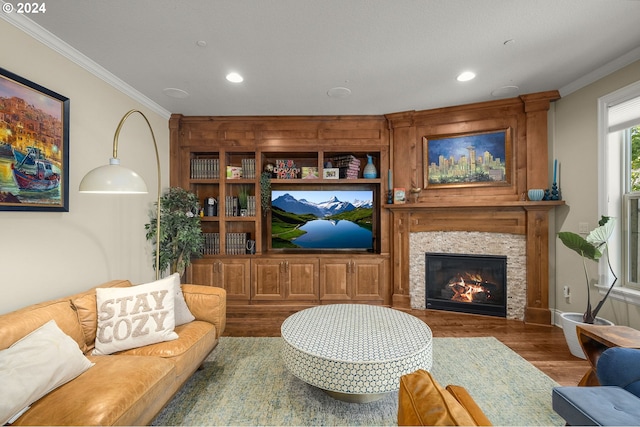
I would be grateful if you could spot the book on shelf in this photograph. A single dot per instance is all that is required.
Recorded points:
(205, 168)
(211, 243)
(349, 166)
(249, 168)
(251, 205)
(231, 206)
(236, 243)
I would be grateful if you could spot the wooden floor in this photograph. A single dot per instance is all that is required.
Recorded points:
(542, 346)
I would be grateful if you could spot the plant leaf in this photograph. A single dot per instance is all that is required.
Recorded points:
(600, 235)
(579, 245)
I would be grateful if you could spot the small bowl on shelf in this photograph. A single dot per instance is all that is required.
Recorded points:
(535, 195)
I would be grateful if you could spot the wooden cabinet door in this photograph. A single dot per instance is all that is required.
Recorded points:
(268, 279)
(302, 279)
(335, 275)
(367, 279)
(234, 276)
(199, 273)
(230, 274)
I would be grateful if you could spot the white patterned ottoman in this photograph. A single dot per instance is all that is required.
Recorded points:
(355, 352)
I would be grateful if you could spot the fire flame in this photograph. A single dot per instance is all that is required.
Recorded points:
(465, 291)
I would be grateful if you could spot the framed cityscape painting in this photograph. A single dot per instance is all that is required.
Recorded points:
(34, 146)
(466, 160)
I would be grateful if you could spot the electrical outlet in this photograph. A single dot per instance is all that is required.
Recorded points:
(583, 227)
(566, 291)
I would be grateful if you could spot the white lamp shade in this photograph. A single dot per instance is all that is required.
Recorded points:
(113, 179)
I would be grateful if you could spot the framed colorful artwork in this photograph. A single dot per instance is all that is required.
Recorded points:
(34, 146)
(466, 160)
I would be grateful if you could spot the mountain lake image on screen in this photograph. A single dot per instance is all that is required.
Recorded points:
(322, 219)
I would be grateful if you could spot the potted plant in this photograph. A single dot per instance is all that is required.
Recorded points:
(265, 191)
(593, 247)
(181, 237)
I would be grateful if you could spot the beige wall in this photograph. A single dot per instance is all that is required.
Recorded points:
(50, 254)
(575, 145)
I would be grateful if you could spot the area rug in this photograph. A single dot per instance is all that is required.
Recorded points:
(244, 382)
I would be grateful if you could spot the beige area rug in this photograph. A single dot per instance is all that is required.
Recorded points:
(244, 382)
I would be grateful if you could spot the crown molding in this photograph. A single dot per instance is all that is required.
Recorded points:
(50, 40)
(605, 70)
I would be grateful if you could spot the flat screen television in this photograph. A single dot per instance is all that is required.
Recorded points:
(322, 220)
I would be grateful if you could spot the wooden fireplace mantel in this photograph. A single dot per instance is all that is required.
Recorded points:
(515, 217)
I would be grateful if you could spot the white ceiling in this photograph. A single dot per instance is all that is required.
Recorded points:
(394, 55)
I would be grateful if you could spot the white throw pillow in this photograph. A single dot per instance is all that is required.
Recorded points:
(134, 316)
(182, 313)
(35, 365)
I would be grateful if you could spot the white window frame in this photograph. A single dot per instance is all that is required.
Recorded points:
(611, 158)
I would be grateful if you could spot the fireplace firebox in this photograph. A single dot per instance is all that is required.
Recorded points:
(466, 283)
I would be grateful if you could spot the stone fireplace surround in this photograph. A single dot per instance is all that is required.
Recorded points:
(513, 246)
(517, 229)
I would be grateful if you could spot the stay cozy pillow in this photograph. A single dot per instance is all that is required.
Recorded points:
(134, 316)
(182, 313)
(35, 365)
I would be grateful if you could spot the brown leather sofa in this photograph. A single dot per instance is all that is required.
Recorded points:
(424, 402)
(125, 388)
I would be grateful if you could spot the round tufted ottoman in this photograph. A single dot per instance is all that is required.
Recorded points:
(355, 352)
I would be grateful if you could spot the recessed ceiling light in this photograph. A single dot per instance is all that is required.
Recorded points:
(234, 78)
(505, 91)
(201, 43)
(466, 76)
(172, 92)
(338, 92)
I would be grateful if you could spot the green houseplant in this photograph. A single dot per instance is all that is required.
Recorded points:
(593, 248)
(181, 237)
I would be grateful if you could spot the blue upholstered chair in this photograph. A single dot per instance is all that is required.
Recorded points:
(616, 402)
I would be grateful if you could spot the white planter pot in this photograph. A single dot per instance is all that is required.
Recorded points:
(569, 323)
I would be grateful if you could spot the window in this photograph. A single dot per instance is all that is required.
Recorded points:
(631, 210)
(619, 171)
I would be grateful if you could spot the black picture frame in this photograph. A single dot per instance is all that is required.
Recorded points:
(34, 146)
(447, 161)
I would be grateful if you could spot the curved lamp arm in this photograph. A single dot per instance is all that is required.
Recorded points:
(115, 179)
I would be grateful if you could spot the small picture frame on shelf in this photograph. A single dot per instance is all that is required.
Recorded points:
(331, 173)
(399, 195)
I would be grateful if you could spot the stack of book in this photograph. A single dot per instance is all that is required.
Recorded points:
(249, 168)
(236, 243)
(349, 166)
(211, 243)
(205, 168)
(231, 206)
(251, 205)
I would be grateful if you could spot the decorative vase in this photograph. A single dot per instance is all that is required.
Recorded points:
(536, 194)
(569, 323)
(370, 170)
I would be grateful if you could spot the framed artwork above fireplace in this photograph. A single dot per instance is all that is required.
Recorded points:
(468, 160)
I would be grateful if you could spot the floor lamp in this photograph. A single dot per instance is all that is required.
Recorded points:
(115, 179)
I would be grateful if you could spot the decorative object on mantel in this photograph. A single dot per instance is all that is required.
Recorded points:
(593, 247)
(536, 194)
(554, 193)
(415, 193)
(390, 187)
(399, 195)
